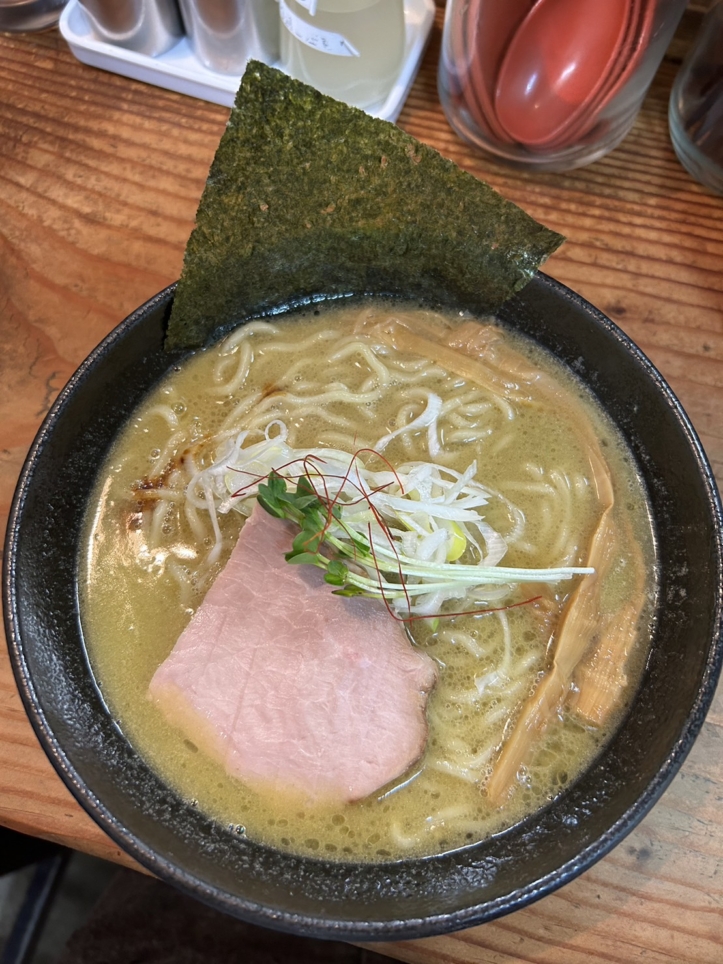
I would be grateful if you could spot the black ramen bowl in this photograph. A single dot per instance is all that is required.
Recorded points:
(408, 898)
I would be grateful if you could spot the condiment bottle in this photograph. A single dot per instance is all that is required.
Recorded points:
(149, 27)
(696, 104)
(350, 49)
(550, 85)
(226, 34)
(19, 16)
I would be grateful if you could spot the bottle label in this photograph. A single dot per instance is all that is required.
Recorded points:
(326, 41)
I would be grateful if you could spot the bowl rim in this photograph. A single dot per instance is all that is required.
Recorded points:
(349, 929)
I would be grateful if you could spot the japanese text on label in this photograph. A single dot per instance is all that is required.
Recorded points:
(325, 41)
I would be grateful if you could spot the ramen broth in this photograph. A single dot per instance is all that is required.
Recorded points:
(147, 564)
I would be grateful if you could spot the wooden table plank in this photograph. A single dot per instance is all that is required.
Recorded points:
(99, 181)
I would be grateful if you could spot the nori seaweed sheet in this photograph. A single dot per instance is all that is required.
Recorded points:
(308, 197)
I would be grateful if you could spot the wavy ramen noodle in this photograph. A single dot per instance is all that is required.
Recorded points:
(528, 692)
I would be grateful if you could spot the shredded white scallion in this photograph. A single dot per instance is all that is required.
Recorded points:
(419, 521)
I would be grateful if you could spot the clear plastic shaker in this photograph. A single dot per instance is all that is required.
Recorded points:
(696, 104)
(550, 85)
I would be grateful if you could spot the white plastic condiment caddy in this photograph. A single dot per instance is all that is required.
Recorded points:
(178, 69)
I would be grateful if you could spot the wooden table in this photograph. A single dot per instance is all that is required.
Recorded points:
(99, 181)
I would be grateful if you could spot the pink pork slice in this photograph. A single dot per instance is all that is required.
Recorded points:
(291, 687)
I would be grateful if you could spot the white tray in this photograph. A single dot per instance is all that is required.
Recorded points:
(179, 70)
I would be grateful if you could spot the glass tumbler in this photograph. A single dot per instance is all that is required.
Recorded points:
(350, 49)
(550, 85)
(696, 104)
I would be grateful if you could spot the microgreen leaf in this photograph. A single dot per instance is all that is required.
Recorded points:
(349, 590)
(304, 502)
(305, 558)
(308, 540)
(304, 487)
(269, 503)
(271, 495)
(336, 573)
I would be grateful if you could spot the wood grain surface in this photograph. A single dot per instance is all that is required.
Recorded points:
(99, 181)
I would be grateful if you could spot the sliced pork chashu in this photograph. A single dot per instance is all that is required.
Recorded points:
(292, 687)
